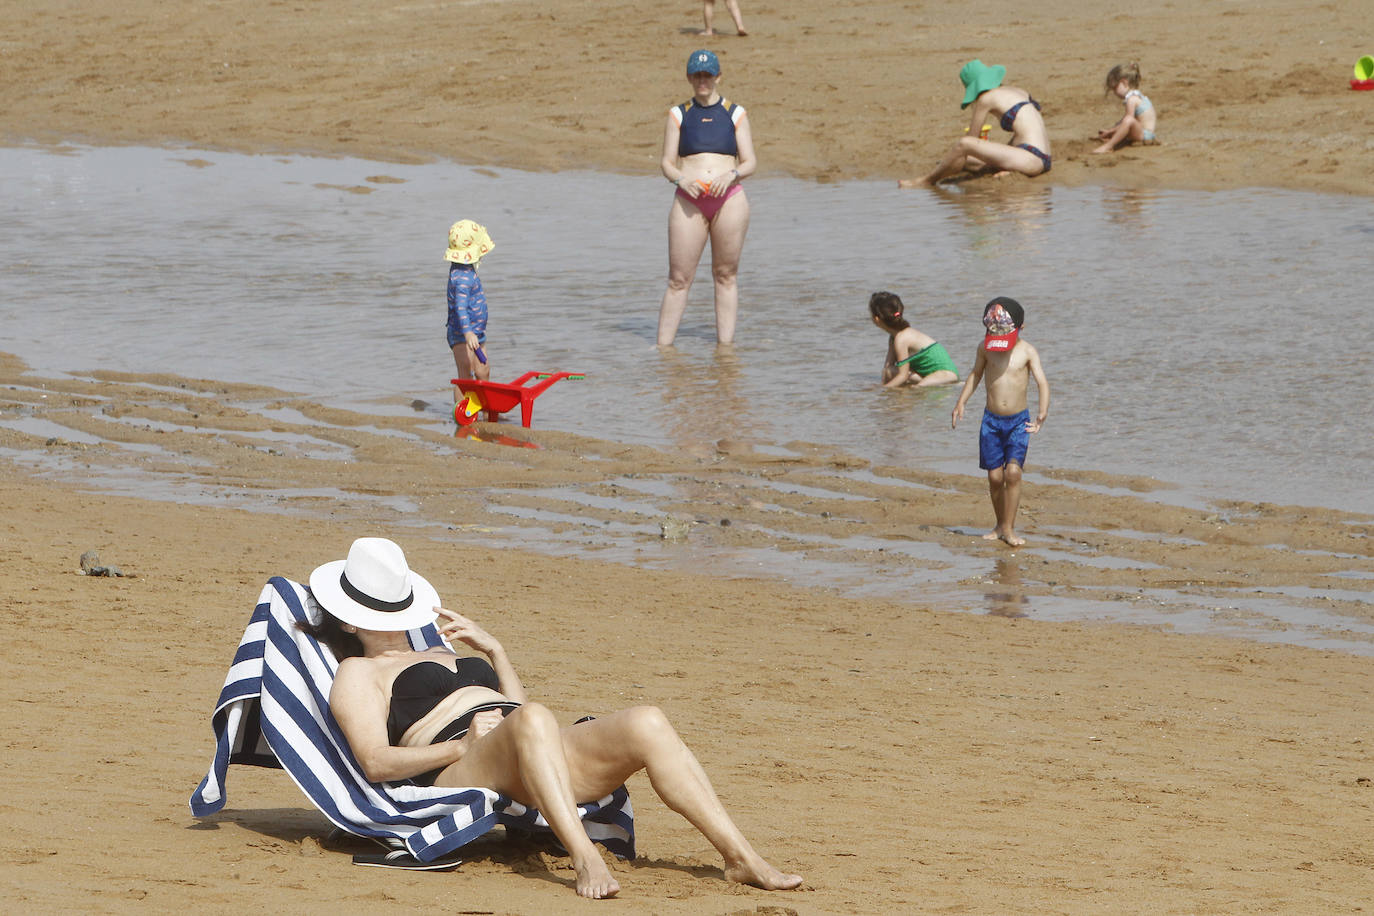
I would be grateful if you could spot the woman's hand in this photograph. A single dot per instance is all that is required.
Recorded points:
(465, 631)
(721, 183)
(484, 722)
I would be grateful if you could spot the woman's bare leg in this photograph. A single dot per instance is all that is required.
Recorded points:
(604, 752)
(727, 232)
(968, 149)
(687, 235)
(523, 757)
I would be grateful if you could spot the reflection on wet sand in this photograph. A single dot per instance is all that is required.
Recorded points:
(998, 212)
(1007, 599)
(1129, 207)
(703, 410)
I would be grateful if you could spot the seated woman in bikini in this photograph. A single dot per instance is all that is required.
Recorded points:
(434, 718)
(708, 149)
(1028, 151)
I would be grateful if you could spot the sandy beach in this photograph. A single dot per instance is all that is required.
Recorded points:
(901, 757)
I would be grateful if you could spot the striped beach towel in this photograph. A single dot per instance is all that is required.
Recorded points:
(274, 712)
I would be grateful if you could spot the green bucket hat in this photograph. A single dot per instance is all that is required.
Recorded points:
(978, 78)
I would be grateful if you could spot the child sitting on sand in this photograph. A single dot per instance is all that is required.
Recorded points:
(467, 301)
(912, 357)
(1010, 363)
(1137, 125)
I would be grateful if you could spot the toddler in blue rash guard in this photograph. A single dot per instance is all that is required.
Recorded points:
(468, 242)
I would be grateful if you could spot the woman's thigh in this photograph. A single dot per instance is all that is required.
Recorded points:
(687, 235)
(1010, 158)
(602, 753)
(728, 230)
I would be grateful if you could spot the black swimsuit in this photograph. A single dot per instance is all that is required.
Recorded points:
(1009, 116)
(420, 687)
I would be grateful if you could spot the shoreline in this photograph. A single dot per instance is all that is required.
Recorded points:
(995, 751)
(603, 77)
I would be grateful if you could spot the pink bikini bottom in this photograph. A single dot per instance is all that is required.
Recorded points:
(710, 206)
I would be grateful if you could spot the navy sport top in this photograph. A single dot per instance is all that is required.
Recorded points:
(707, 128)
(419, 688)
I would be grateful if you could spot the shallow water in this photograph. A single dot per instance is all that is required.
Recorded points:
(1195, 338)
(1198, 338)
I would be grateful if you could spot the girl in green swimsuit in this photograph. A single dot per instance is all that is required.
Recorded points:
(912, 357)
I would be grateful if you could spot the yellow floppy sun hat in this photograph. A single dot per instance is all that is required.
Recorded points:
(468, 242)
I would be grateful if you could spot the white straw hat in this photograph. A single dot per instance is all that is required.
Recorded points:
(374, 589)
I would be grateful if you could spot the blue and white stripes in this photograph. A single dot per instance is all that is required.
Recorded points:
(274, 712)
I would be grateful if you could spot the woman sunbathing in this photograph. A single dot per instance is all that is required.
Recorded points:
(433, 718)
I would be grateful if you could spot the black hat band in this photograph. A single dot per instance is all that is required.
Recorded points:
(375, 604)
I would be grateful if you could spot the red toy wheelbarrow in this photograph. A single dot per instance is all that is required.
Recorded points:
(495, 398)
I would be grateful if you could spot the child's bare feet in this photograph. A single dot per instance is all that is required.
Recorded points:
(594, 880)
(709, 33)
(1104, 148)
(993, 535)
(914, 183)
(761, 874)
(1012, 539)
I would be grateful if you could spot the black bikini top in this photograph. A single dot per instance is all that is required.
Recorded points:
(1009, 116)
(420, 687)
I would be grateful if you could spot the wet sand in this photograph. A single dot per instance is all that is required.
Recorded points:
(1253, 94)
(902, 758)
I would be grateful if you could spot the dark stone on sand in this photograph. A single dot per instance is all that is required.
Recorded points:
(91, 566)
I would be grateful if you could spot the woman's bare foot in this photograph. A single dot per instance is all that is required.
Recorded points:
(1011, 538)
(594, 880)
(741, 33)
(1104, 148)
(993, 535)
(913, 183)
(709, 33)
(761, 874)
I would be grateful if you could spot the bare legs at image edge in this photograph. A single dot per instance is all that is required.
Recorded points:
(534, 761)
(688, 233)
(708, 16)
(1004, 486)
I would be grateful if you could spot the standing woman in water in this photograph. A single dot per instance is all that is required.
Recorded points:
(707, 151)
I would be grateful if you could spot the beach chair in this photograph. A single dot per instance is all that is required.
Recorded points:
(274, 712)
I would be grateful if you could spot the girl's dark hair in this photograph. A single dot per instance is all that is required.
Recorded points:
(1128, 72)
(330, 631)
(887, 308)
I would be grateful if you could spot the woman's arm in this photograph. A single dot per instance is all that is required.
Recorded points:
(668, 164)
(744, 142)
(470, 634)
(359, 706)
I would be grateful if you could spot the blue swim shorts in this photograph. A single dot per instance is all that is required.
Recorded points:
(1003, 440)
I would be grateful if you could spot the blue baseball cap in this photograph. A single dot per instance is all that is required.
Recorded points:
(703, 61)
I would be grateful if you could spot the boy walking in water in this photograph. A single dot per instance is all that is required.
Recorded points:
(1010, 363)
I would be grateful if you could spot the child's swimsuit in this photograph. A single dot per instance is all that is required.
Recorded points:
(1003, 440)
(420, 687)
(467, 304)
(1009, 116)
(1143, 105)
(928, 360)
